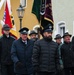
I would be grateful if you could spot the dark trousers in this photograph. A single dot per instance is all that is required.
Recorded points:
(60, 72)
(46, 73)
(7, 70)
(69, 71)
(24, 74)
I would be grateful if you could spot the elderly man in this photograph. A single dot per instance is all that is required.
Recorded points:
(21, 54)
(67, 54)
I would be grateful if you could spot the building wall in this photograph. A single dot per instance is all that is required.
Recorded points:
(63, 11)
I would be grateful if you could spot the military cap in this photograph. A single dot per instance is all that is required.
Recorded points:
(48, 28)
(6, 27)
(24, 30)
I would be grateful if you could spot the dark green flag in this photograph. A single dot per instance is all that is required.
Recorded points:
(36, 9)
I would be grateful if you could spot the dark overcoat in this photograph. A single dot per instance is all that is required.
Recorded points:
(22, 53)
(5, 49)
(67, 55)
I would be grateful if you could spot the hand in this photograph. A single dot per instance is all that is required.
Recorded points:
(19, 65)
(36, 69)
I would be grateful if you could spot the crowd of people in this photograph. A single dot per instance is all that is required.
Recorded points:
(34, 56)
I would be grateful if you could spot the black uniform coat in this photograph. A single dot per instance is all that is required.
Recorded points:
(22, 53)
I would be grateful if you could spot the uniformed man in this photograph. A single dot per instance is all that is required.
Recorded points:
(21, 53)
(45, 54)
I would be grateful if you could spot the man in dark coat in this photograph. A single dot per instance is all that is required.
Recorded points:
(72, 46)
(67, 55)
(5, 52)
(45, 54)
(58, 40)
(21, 54)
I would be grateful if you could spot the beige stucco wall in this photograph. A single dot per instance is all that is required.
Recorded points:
(29, 20)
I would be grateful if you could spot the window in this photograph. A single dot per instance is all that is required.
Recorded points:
(61, 28)
(23, 3)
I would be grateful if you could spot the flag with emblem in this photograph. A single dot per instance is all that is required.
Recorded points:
(43, 12)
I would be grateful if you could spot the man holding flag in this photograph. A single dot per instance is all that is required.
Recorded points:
(5, 52)
(9, 32)
(45, 54)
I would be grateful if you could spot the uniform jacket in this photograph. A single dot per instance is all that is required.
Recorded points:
(22, 53)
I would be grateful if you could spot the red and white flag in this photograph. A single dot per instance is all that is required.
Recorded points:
(9, 19)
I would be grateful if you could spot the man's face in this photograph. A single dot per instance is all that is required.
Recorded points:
(67, 39)
(47, 34)
(23, 36)
(58, 40)
(33, 36)
(6, 32)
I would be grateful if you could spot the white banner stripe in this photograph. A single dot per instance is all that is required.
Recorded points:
(1, 3)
